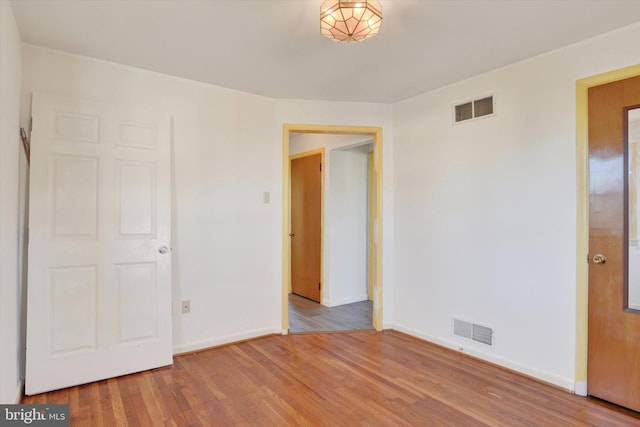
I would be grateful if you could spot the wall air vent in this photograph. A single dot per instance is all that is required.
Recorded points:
(481, 107)
(473, 332)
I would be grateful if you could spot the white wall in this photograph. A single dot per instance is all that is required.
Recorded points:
(301, 142)
(346, 224)
(358, 114)
(485, 212)
(226, 153)
(634, 277)
(227, 145)
(10, 244)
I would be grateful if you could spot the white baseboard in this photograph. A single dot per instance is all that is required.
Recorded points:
(548, 377)
(580, 388)
(343, 301)
(227, 339)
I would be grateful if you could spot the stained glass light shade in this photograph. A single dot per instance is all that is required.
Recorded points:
(350, 21)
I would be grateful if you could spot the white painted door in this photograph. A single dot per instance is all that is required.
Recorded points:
(99, 289)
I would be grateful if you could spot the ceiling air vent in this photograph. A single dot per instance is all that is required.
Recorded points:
(482, 107)
(472, 331)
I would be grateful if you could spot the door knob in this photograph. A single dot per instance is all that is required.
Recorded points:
(599, 259)
(292, 234)
(163, 250)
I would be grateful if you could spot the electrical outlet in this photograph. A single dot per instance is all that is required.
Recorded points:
(186, 306)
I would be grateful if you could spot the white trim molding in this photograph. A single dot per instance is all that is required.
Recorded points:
(228, 339)
(580, 388)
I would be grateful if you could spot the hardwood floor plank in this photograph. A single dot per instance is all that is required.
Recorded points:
(117, 408)
(361, 378)
(87, 401)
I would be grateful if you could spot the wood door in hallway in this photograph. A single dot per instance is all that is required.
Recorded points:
(614, 329)
(306, 225)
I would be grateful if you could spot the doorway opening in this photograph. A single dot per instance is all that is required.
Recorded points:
(357, 158)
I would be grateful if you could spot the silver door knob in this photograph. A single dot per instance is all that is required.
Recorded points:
(163, 250)
(599, 259)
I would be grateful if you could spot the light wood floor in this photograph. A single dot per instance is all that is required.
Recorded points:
(306, 316)
(346, 379)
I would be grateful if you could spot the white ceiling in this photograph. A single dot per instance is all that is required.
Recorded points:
(274, 48)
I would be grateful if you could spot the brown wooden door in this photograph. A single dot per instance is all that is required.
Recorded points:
(614, 331)
(306, 200)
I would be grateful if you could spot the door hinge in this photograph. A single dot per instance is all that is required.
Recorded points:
(320, 167)
(319, 288)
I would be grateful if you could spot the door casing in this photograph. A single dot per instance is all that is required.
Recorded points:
(376, 134)
(582, 219)
(371, 208)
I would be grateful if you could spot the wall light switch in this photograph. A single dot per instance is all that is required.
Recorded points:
(266, 197)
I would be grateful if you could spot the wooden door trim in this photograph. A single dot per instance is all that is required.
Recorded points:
(582, 220)
(371, 207)
(288, 227)
(376, 134)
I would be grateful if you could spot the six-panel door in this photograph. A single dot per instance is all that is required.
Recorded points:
(99, 290)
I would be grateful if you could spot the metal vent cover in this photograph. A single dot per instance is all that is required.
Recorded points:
(462, 328)
(473, 331)
(470, 110)
(482, 334)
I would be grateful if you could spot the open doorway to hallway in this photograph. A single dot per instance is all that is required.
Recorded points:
(329, 240)
(348, 221)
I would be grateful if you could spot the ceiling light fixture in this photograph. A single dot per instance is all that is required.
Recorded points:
(350, 21)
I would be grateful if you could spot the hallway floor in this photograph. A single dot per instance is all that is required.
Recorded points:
(309, 316)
